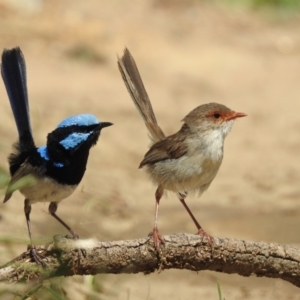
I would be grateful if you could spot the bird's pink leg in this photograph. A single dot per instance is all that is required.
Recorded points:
(200, 231)
(157, 238)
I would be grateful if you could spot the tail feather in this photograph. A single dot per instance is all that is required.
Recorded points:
(137, 91)
(13, 71)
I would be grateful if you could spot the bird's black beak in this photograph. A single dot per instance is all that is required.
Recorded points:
(104, 124)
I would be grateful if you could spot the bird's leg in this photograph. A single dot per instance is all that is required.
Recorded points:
(201, 231)
(157, 238)
(33, 252)
(52, 210)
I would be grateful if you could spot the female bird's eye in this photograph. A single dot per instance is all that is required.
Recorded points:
(216, 115)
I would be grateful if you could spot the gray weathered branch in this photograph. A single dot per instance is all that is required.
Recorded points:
(181, 251)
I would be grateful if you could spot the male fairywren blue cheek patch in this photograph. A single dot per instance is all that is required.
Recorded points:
(74, 139)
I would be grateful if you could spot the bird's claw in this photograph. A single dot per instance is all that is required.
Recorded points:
(75, 236)
(157, 238)
(36, 257)
(204, 234)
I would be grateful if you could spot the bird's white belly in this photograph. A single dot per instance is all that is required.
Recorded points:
(184, 174)
(47, 190)
(192, 172)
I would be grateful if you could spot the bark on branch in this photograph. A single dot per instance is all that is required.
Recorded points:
(181, 251)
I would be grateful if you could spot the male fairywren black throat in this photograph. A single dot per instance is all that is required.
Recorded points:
(58, 167)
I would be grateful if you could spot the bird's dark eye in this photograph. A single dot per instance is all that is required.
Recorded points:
(216, 115)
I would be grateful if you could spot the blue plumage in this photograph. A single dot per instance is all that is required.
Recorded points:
(43, 151)
(79, 120)
(74, 139)
(58, 165)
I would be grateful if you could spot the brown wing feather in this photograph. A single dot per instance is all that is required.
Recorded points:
(171, 147)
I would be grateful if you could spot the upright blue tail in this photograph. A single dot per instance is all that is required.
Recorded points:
(13, 71)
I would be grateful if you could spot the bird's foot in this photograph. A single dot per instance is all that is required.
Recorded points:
(75, 236)
(36, 257)
(157, 238)
(204, 234)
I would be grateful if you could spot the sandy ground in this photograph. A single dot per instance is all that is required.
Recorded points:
(188, 53)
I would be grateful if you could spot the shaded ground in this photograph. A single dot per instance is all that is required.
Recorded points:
(188, 54)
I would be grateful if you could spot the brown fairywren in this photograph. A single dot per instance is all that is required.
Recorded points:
(188, 160)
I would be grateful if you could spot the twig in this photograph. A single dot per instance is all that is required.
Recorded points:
(181, 251)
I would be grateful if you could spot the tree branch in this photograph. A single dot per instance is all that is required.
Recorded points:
(181, 251)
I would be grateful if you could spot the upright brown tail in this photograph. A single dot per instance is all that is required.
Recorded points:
(137, 91)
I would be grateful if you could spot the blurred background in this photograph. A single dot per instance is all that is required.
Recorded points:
(244, 54)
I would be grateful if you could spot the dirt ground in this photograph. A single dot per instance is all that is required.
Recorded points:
(189, 53)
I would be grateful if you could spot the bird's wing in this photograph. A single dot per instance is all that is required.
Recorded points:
(15, 182)
(172, 147)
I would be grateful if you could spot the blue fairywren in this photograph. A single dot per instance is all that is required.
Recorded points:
(58, 167)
